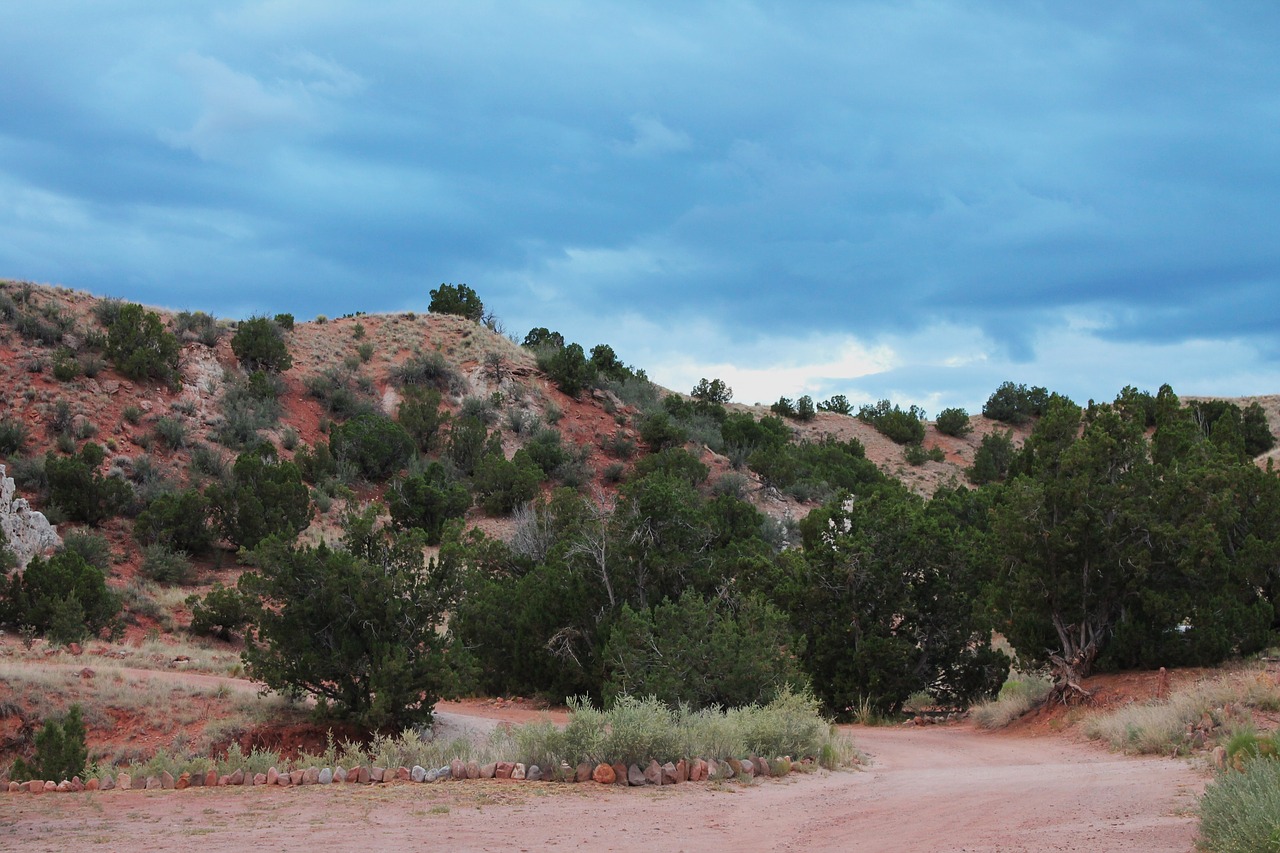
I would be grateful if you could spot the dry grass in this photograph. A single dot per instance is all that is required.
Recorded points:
(1160, 726)
(1020, 693)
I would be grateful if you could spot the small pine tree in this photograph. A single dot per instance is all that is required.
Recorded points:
(61, 752)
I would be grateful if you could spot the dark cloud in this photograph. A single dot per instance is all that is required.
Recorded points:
(871, 170)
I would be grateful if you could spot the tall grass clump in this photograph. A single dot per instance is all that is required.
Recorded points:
(1160, 726)
(1240, 812)
(1020, 693)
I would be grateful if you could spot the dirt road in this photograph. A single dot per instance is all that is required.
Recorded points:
(932, 789)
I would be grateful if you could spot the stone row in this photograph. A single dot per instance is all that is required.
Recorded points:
(670, 773)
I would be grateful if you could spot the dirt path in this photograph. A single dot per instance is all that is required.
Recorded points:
(933, 789)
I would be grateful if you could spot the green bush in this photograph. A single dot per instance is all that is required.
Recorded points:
(570, 370)
(1016, 404)
(163, 564)
(837, 404)
(660, 432)
(991, 462)
(901, 427)
(428, 370)
(259, 345)
(219, 614)
(50, 590)
(199, 325)
(61, 752)
(13, 436)
(426, 501)
(420, 414)
(140, 346)
(456, 299)
(177, 520)
(502, 484)
(264, 497)
(1240, 812)
(954, 422)
(80, 491)
(375, 444)
(172, 432)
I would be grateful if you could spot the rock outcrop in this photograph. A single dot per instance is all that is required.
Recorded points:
(27, 532)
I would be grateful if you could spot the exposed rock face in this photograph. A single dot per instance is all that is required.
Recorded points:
(27, 532)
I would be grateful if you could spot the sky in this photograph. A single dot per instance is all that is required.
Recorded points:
(913, 201)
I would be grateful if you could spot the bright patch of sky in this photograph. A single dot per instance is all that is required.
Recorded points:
(910, 200)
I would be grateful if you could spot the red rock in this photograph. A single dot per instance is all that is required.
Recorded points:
(669, 775)
(604, 774)
(583, 772)
(457, 769)
(63, 787)
(473, 770)
(166, 780)
(402, 774)
(259, 778)
(297, 777)
(14, 787)
(682, 771)
(503, 770)
(211, 779)
(362, 777)
(92, 785)
(76, 785)
(619, 773)
(223, 781)
(697, 770)
(339, 774)
(377, 774)
(74, 649)
(86, 673)
(488, 771)
(124, 782)
(183, 782)
(273, 776)
(36, 786)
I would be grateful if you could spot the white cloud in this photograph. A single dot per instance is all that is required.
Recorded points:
(652, 138)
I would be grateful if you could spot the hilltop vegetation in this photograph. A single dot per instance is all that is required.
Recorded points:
(383, 510)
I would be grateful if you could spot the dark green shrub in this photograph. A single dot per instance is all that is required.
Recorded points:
(376, 445)
(13, 436)
(838, 404)
(469, 440)
(428, 370)
(954, 422)
(65, 366)
(456, 299)
(179, 521)
(259, 345)
(163, 564)
(916, 454)
(569, 369)
(420, 414)
(804, 409)
(220, 613)
(502, 484)
(675, 462)
(659, 431)
(893, 423)
(316, 463)
(543, 337)
(61, 752)
(131, 414)
(340, 392)
(264, 498)
(140, 346)
(93, 548)
(1016, 404)
(991, 462)
(784, 408)
(172, 432)
(284, 321)
(712, 391)
(198, 325)
(426, 501)
(77, 488)
(49, 590)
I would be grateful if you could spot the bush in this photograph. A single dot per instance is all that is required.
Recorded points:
(162, 564)
(139, 345)
(259, 345)
(1016, 404)
(219, 614)
(198, 325)
(804, 409)
(459, 299)
(420, 414)
(1240, 812)
(263, 498)
(837, 404)
(901, 427)
(76, 487)
(179, 521)
(172, 432)
(426, 501)
(991, 462)
(569, 369)
(954, 422)
(13, 436)
(376, 445)
(51, 590)
(1019, 695)
(428, 370)
(660, 432)
(61, 752)
(503, 484)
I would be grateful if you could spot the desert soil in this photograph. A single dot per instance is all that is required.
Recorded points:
(942, 788)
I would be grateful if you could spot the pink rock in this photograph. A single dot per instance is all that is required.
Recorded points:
(107, 783)
(297, 777)
(76, 785)
(273, 776)
(362, 776)
(488, 771)
(583, 772)
(224, 780)
(503, 770)
(63, 787)
(14, 787)
(402, 774)
(761, 765)
(653, 773)
(473, 770)
(92, 785)
(124, 782)
(377, 774)
(211, 779)
(237, 778)
(166, 780)
(458, 769)
(619, 773)
(713, 769)
(311, 776)
(153, 784)
(669, 775)
(259, 778)
(518, 772)
(604, 774)
(339, 775)
(682, 771)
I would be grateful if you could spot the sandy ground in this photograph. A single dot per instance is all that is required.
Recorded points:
(929, 789)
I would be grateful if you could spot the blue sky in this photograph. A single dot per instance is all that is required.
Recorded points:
(912, 200)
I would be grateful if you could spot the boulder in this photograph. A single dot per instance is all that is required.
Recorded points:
(432, 775)
(76, 785)
(183, 782)
(533, 774)
(107, 783)
(735, 766)
(518, 772)
(636, 777)
(211, 779)
(682, 771)
(488, 771)
(619, 773)
(503, 770)
(669, 774)
(92, 785)
(236, 778)
(339, 774)
(377, 774)
(124, 782)
(325, 776)
(418, 773)
(473, 770)
(402, 774)
(604, 774)
(761, 766)
(780, 767)
(14, 787)
(273, 776)
(63, 787)
(27, 533)
(224, 780)
(457, 769)
(443, 774)
(362, 776)
(50, 787)
(697, 770)
(153, 783)
(285, 779)
(259, 778)
(653, 773)
(583, 772)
